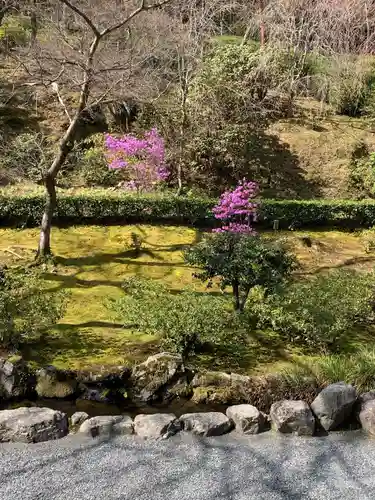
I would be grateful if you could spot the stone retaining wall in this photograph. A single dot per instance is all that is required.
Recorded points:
(332, 408)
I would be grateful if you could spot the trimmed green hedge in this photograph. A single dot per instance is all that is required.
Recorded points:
(110, 207)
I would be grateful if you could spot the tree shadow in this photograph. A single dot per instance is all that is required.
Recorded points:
(70, 344)
(277, 169)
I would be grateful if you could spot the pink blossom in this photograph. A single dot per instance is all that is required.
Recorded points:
(237, 209)
(142, 159)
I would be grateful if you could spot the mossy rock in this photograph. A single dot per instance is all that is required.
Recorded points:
(53, 383)
(214, 395)
(153, 377)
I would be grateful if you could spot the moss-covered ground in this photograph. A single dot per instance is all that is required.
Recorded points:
(92, 261)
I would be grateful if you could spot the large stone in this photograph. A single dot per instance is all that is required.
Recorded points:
(334, 405)
(367, 416)
(292, 417)
(32, 425)
(78, 418)
(100, 426)
(125, 427)
(54, 383)
(246, 418)
(16, 379)
(151, 378)
(159, 425)
(219, 388)
(206, 424)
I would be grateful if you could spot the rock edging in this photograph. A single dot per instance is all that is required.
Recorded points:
(331, 407)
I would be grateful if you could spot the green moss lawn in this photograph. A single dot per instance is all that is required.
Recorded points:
(92, 261)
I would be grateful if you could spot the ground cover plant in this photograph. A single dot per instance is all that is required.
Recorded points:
(92, 263)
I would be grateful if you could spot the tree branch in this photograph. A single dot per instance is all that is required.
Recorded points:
(142, 7)
(82, 15)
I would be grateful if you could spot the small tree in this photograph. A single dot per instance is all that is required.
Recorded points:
(142, 160)
(86, 56)
(240, 261)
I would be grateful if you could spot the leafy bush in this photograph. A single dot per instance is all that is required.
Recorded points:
(93, 166)
(95, 206)
(183, 321)
(368, 239)
(27, 309)
(27, 156)
(362, 175)
(320, 312)
(352, 85)
(15, 31)
(241, 262)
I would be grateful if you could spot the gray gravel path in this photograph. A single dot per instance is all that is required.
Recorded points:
(341, 466)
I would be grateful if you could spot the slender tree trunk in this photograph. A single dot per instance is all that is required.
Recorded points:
(262, 28)
(183, 123)
(236, 294)
(44, 248)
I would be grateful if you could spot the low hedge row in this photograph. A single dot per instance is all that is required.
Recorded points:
(108, 207)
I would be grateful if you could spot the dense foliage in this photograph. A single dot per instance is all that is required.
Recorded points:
(237, 209)
(27, 308)
(319, 312)
(183, 321)
(100, 207)
(240, 261)
(141, 159)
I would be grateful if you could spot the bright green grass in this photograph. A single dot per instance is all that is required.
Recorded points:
(92, 262)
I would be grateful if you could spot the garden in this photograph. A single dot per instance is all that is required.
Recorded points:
(221, 211)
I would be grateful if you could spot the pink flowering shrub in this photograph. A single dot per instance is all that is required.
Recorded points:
(237, 209)
(143, 160)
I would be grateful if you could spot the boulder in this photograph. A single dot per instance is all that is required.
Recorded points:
(292, 417)
(32, 425)
(367, 416)
(159, 425)
(206, 424)
(214, 395)
(211, 379)
(17, 380)
(78, 418)
(246, 418)
(219, 388)
(125, 427)
(334, 405)
(113, 378)
(54, 383)
(100, 426)
(149, 379)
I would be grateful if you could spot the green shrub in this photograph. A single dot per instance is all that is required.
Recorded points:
(318, 313)
(27, 308)
(27, 156)
(93, 166)
(362, 175)
(240, 261)
(183, 321)
(368, 239)
(351, 85)
(95, 206)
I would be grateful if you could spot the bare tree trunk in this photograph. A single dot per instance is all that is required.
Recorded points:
(183, 123)
(236, 294)
(262, 28)
(44, 248)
